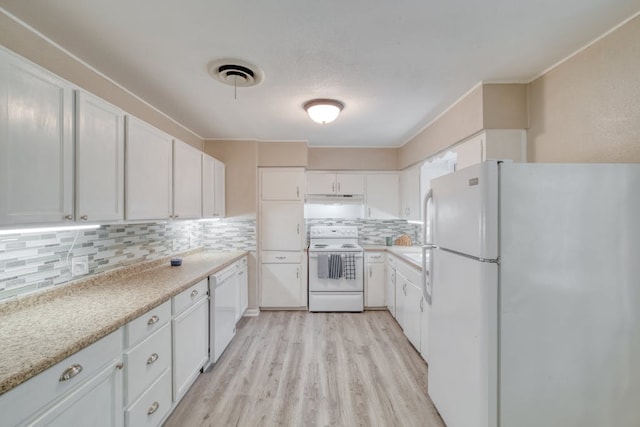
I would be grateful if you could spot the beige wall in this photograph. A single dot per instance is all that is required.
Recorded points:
(25, 43)
(282, 154)
(588, 108)
(505, 106)
(240, 159)
(353, 159)
(460, 121)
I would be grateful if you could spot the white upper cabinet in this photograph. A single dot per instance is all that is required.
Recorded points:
(332, 183)
(99, 160)
(213, 187)
(495, 144)
(36, 144)
(410, 187)
(148, 174)
(281, 183)
(282, 226)
(383, 196)
(187, 181)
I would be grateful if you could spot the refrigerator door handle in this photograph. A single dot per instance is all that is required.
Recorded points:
(427, 271)
(428, 197)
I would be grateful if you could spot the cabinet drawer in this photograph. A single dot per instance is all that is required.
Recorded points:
(153, 405)
(33, 395)
(145, 362)
(148, 323)
(189, 297)
(281, 257)
(374, 256)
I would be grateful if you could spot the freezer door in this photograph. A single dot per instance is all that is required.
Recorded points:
(570, 295)
(466, 211)
(463, 340)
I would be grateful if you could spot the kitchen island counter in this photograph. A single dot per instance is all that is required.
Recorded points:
(40, 330)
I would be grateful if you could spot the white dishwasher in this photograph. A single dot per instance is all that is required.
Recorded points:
(222, 311)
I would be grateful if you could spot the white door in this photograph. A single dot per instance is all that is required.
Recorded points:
(401, 297)
(321, 183)
(466, 211)
(220, 208)
(470, 152)
(410, 190)
(187, 181)
(148, 173)
(463, 325)
(36, 144)
(349, 183)
(281, 285)
(281, 183)
(374, 295)
(208, 186)
(390, 290)
(281, 226)
(412, 314)
(190, 346)
(383, 196)
(99, 160)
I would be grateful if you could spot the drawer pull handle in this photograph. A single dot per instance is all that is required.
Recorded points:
(153, 408)
(194, 293)
(71, 372)
(152, 358)
(281, 257)
(153, 320)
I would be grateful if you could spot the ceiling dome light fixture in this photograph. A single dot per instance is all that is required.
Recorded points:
(323, 110)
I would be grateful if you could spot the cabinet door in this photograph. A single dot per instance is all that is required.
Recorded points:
(190, 346)
(99, 160)
(243, 292)
(470, 152)
(220, 207)
(281, 184)
(148, 171)
(208, 186)
(281, 286)
(349, 184)
(412, 314)
(383, 196)
(281, 226)
(410, 183)
(96, 403)
(187, 181)
(374, 284)
(321, 183)
(36, 144)
(401, 297)
(390, 289)
(424, 329)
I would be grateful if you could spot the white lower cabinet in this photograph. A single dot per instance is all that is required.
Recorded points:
(86, 386)
(412, 310)
(153, 405)
(190, 341)
(283, 280)
(242, 283)
(401, 297)
(390, 284)
(374, 289)
(412, 314)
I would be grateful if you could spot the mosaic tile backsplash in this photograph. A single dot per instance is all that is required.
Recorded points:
(33, 261)
(374, 232)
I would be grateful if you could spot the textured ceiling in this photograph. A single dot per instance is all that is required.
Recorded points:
(395, 65)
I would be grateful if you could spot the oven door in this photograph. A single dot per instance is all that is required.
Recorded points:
(335, 285)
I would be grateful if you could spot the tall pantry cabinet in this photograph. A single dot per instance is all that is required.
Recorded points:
(282, 238)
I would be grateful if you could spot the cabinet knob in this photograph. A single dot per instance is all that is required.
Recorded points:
(119, 366)
(194, 293)
(68, 217)
(71, 372)
(153, 408)
(152, 320)
(152, 358)
(84, 217)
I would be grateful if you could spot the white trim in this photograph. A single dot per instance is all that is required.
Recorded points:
(456, 102)
(588, 45)
(252, 312)
(104, 76)
(48, 229)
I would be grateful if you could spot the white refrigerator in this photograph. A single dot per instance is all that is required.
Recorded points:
(535, 295)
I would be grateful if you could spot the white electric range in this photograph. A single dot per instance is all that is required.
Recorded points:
(336, 269)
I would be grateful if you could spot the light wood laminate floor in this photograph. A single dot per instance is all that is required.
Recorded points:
(295, 368)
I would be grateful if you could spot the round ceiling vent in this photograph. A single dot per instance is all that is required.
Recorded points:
(235, 72)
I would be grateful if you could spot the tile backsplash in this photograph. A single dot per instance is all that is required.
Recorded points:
(33, 261)
(374, 231)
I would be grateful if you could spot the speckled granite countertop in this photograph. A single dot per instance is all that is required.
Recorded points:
(38, 331)
(400, 251)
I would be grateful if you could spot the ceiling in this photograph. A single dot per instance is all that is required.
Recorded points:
(396, 65)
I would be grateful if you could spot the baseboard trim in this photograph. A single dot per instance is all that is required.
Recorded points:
(252, 312)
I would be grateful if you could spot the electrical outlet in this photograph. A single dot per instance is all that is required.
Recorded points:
(174, 245)
(79, 265)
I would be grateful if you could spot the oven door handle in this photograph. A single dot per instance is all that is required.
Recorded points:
(315, 255)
